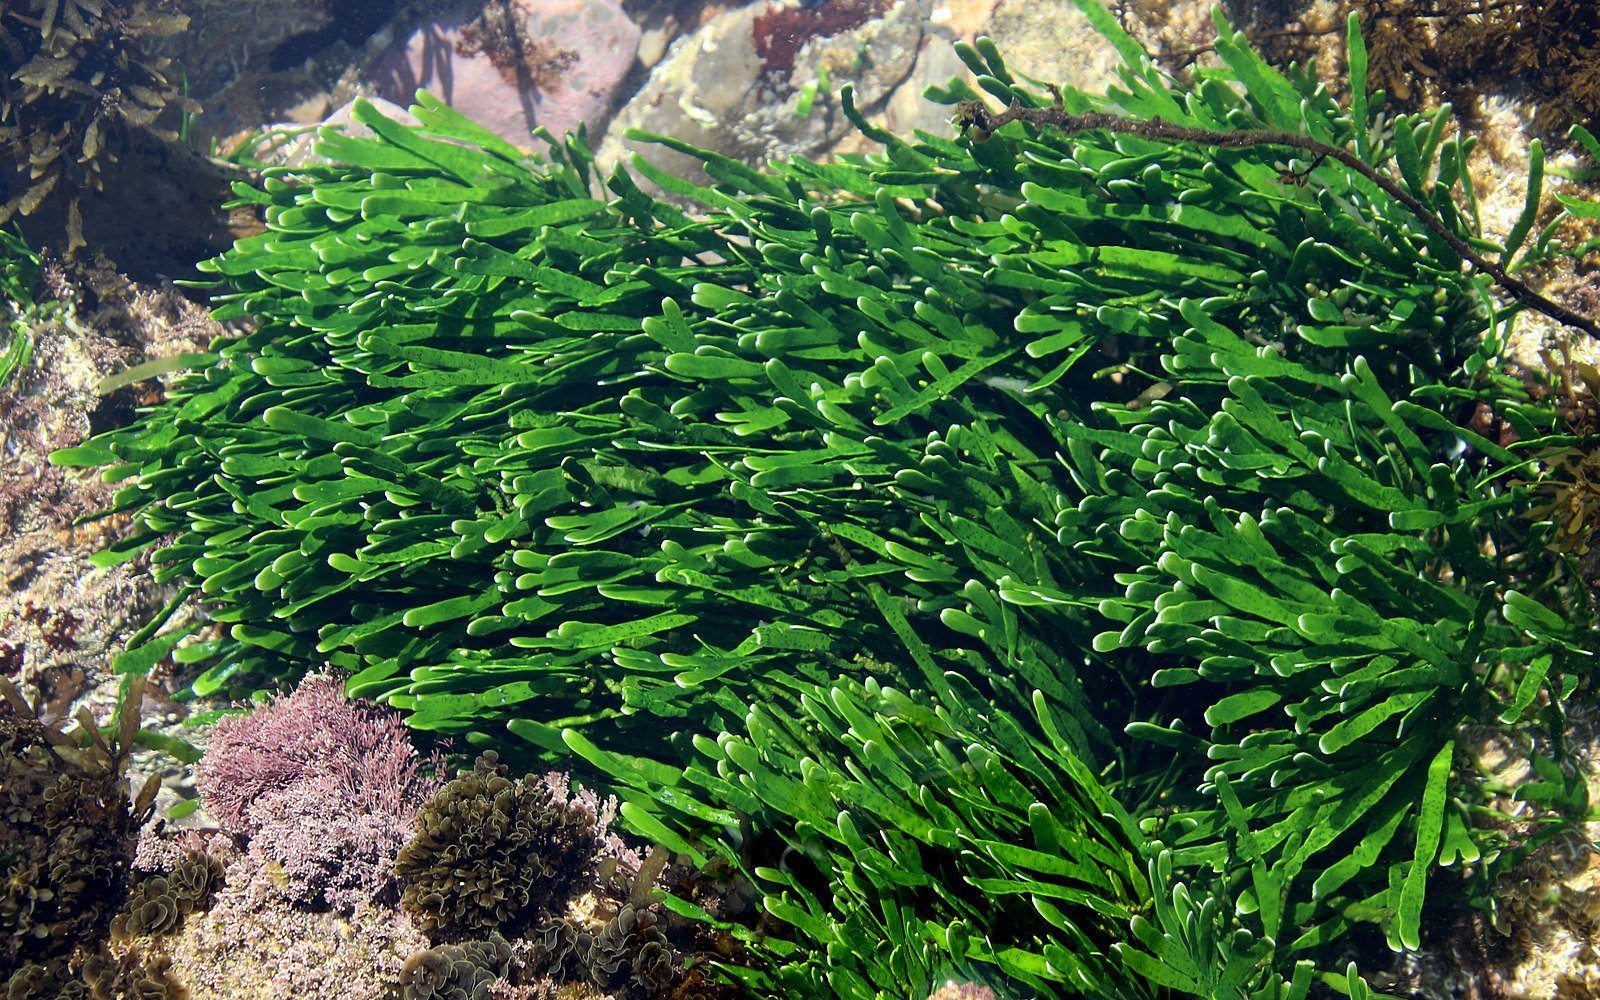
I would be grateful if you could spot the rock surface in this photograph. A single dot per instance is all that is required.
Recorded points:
(762, 81)
(514, 64)
(62, 620)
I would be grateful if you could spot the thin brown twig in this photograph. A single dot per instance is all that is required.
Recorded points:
(976, 119)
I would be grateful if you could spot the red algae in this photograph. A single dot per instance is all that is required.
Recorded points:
(783, 31)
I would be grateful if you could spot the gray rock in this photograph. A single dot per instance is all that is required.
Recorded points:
(734, 86)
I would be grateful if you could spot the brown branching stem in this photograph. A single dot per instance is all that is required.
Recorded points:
(976, 119)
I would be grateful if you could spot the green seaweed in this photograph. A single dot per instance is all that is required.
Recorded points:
(18, 267)
(1098, 492)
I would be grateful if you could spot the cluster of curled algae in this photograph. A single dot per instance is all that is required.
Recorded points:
(464, 971)
(532, 860)
(67, 833)
(112, 979)
(629, 953)
(157, 904)
(491, 853)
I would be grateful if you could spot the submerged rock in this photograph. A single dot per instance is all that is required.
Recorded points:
(734, 85)
(762, 81)
(514, 64)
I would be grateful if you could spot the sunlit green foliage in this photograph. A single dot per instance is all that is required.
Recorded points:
(18, 312)
(1072, 549)
(928, 844)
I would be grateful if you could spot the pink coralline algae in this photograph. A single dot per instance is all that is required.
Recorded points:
(318, 855)
(326, 788)
(514, 64)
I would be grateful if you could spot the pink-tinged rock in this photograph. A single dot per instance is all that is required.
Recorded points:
(514, 64)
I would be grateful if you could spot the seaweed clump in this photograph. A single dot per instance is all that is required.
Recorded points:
(465, 971)
(1550, 48)
(88, 85)
(497, 32)
(19, 313)
(917, 600)
(629, 953)
(112, 979)
(158, 903)
(326, 789)
(780, 32)
(490, 852)
(67, 834)
(1571, 484)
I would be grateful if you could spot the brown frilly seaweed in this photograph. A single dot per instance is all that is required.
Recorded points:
(465, 971)
(158, 903)
(68, 829)
(491, 853)
(629, 954)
